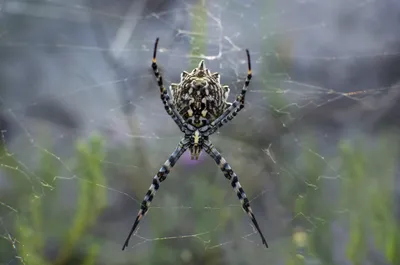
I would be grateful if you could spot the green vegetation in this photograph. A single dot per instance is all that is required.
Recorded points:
(33, 200)
(366, 174)
(199, 31)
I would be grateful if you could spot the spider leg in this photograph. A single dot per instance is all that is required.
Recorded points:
(158, 178)
(231, 175)
(165, 98)
(238, 104)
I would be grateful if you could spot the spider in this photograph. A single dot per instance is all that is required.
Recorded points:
(199, 107)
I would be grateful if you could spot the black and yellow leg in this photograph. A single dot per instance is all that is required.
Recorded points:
(231, 175)
(158, 178)
(238, 104)
(165, 98)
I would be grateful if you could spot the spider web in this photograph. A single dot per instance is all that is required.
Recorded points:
(84, 130)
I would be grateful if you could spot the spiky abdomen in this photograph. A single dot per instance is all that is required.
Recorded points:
(200, 106)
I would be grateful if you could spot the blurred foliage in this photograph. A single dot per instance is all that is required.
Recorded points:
(371, 209)
(365, 207)
(33, 228)
(199, 27)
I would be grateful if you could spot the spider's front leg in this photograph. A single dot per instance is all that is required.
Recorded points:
(238, 104)
(165, 98)
(158, 178)
(231, 175)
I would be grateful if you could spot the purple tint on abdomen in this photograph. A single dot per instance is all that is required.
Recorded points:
(187, 161)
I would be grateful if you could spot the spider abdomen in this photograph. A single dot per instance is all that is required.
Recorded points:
(199, 97)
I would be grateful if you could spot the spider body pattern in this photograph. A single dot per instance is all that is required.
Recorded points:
(199, 107)
(199, 97)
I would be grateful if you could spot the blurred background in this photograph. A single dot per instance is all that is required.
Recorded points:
(83, 132)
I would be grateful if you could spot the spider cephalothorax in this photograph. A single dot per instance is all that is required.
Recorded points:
(199, 97)
(199, 108)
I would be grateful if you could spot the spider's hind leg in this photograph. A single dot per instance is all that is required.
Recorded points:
(231, 175)
(158, 178)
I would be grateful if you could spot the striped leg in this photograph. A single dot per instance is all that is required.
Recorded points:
(165, 98)
(238, 104)
(231, 175)
(158, 178)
